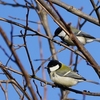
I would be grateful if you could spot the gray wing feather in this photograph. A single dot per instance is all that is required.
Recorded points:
(61, 73)
(74, 75)
(70, 74)
(80, 33)
(84, 35)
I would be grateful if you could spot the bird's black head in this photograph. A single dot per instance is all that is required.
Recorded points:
(57, 32)
(53, 65)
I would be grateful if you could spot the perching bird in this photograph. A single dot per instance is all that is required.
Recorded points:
(81, 36)
(63, 75)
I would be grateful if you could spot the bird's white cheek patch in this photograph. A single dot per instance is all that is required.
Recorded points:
(54, 68)
(62, 34)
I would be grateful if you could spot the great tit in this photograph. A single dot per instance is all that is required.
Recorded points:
(63, 75)
(81, 36)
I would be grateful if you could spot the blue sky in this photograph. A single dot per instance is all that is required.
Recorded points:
(33, 46)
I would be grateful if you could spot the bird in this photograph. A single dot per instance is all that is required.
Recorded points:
(63, 75)
(81, 36)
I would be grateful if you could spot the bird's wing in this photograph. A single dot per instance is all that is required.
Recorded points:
(80, 33)
(74, 75)
(70, 74)
(61, 73)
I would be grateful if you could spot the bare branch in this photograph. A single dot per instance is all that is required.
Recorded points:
(96, 9)
(19, 64)
(76, 12)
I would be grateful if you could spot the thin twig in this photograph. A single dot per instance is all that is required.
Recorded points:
(53, 85)
(68, 31)
(19, 64)
(96, 9)
(37, 90)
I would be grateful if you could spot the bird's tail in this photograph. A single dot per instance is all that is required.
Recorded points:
(93, 82)
(97, 39)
